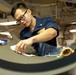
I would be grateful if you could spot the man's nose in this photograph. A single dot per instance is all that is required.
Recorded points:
(22, 21)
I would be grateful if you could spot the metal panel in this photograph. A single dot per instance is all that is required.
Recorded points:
(4, 6)
(72, 1)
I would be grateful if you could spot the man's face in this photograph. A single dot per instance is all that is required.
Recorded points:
(23, 17)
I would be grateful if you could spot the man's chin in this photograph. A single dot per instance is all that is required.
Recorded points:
(26, 25)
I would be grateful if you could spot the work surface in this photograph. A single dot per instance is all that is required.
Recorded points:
(16, 64)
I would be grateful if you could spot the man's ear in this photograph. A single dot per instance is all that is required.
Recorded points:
(29, 11)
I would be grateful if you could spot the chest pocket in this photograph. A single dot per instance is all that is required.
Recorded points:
(41, 30)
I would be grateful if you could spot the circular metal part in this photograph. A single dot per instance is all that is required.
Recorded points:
(16, 64)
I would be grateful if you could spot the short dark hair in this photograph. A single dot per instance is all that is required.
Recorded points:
(16, 6)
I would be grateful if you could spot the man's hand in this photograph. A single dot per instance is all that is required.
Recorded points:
(23, 44)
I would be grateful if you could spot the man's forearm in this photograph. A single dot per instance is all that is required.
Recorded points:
(45, 35)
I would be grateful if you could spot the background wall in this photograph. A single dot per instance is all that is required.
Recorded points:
(65, 36)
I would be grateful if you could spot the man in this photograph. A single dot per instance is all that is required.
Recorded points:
(41, 33)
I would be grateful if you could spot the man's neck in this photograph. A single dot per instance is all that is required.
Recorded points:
(32, 26)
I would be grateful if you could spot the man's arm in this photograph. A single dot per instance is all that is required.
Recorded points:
(44, 36)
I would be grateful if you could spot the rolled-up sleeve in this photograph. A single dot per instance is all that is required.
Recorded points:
(52, 24)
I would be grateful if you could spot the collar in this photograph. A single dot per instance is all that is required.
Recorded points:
(38, 23)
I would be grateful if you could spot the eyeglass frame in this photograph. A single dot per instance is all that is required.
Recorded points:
(21, 17)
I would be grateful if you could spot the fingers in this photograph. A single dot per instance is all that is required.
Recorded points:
(20, 48)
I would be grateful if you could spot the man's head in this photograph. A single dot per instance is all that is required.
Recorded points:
(18, 6)
(22, 14)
